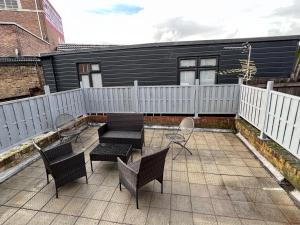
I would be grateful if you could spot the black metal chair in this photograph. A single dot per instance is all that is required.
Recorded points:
(63, 164)
(67, 129)
(135, 175)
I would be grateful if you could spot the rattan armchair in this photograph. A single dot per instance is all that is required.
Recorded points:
(135, 175)
(63, 164)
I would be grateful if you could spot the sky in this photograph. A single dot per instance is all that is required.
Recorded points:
(148, 21)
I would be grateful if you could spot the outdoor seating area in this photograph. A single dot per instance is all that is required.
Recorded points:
(220, 183)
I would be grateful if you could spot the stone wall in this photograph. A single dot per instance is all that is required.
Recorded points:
(20, 80)
(280, 158)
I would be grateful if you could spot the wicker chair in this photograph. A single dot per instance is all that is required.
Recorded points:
(135, 175)
(183, 134)
(67, 129)
(63, 164)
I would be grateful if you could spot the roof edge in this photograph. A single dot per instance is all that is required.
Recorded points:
(178, 43)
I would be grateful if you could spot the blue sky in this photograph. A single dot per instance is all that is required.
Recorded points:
(118, 9)
(144, 21)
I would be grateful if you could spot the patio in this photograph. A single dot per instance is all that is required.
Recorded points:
(221, 183)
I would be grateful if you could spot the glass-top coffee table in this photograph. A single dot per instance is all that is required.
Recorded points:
(110, 152)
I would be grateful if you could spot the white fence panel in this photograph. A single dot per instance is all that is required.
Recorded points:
(283, 121)
(71, 102)
(217, 99)
(252, 101)
(21, 119)
(166, 99)
(108, 100)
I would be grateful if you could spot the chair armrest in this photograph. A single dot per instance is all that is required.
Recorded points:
(102, 129)
(68, 164)
(127, 173)
(58, 151)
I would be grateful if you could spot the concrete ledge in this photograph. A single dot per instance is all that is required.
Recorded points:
(214, 122)
(26, 150)
(282, 160)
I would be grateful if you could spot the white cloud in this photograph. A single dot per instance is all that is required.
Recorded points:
(170, 20)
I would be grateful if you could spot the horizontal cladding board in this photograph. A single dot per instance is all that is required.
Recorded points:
(172, 55)
(149, 77)
(141, 83)
(259, 67)
(161, 49)
(261, 60)
(139, 70)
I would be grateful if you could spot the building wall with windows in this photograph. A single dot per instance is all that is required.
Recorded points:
(37, 17)
(171, 63)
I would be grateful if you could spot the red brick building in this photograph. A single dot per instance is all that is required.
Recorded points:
(27, 28)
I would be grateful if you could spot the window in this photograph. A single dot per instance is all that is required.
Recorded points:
(207, 77)
(187, 77)
(9, 4)
(204, 69)
(90, 74)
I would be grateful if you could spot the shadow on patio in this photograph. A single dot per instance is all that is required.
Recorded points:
(221, 183)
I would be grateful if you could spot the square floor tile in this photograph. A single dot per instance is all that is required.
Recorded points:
(158, 216)
(136, 216)
(202, 205)
(111, 215)
(181, 203)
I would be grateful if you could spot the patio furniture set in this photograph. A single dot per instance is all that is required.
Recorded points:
(122, 133)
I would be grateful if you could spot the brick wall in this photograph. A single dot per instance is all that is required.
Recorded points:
(13, 37)
(27, 18)
(20, 80)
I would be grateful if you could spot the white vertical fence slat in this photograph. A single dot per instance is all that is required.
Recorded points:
(275, 114)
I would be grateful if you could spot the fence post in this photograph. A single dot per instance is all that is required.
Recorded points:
(82, 89)
(196, 98)
(51, 104)
(265, 108)
(240, 82)
(135, 96)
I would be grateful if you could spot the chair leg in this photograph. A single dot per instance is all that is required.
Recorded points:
(56, 192)
(120, 185)
(47, 178)
(137, 199)
(92, 166)
(86, 179)
(162, 187)
(177, 153)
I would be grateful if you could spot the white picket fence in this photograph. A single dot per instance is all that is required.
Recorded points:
(209, 99)
(28, 117)
(275, 114)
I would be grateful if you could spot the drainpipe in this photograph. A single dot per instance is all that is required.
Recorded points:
(39, 21)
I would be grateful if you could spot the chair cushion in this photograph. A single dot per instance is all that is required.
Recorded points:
(122, 134)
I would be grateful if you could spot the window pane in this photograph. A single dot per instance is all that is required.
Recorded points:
(11, 4)
(97, 80)
(207, 77)
(208, 62)
(187, 77)
(95, 67)
(85, 81)
(187, 62)
(84, 68)
(2, 5)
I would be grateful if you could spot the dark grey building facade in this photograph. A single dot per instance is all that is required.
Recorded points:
(173, 63)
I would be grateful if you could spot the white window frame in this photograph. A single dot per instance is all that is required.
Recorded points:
(198, 67)
(19, 6)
